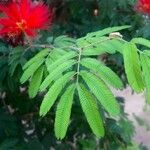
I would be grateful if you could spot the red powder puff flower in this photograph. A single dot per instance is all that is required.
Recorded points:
(143, 6)
(23, 17)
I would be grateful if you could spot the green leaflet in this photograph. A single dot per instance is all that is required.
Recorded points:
(102, 92)
(105, 31)
(30, 70)
(55, 73)
(59, 61)
(64, 41)
(13, 67)
(60, 51)
(90, 110)
(103, 72)
(63, 112)
(54, 55)
(108, 30)
(141, 41)
(145, 62)
(97, 37)
(118, 44)
(37, 57)
(96, 46)
(17, 50)
(99, 45)
(35, 82)
(13, 64)
(146, 52)
(132, 67)
(96, 43)
(15, 55)
(53, 93)
(15, 59)
(48, 61)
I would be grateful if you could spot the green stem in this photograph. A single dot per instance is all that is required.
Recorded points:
(42, 46)
(78, 64)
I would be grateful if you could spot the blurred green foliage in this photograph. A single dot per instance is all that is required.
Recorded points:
(79, 17)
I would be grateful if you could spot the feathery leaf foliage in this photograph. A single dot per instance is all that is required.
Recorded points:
(71, 64)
